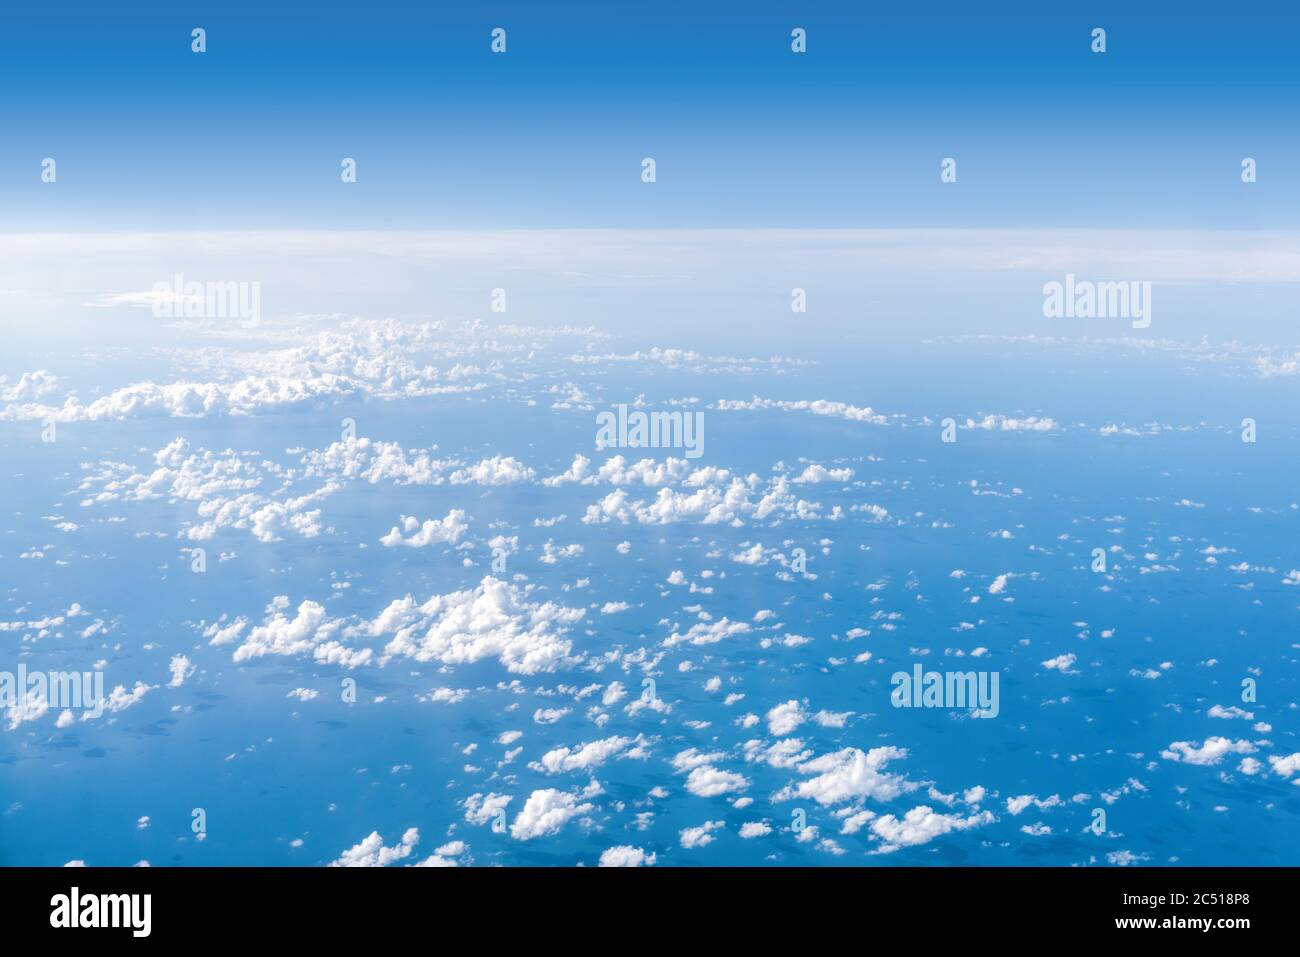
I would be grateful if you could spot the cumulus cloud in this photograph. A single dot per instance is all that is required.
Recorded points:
(485, 808)
(1062, 663)
(839, 410)
(498, 470)
(374, 358)
(1003, 423)
(921, 825)
(819, 473)
(850, 774)
(494, 619)
(1285, 766)
(708, 781)
(1015, 805)
(434, 531)
(309, 632)
(624, 855)
(371, 852)
(784, 718)
(708, 633)
(585, 756)
(712, 504)
(1211, 752)
(546, 812)
(180, 668)
(701, 836)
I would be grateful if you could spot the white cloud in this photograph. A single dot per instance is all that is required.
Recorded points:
(708, 781)
(584, 756)
(546, 812)
(440, 531)
(484, 809)
(624, 855)
(1285, 766)
(371, 852)
(495, 619)
(309, 632)
(1015, 805)
(692, 837)
(180, 668)
(1062, 663)
(784, 718)
(1211, 752)
(922, 825)
(819, 473)
(498, 470)
(850, 774)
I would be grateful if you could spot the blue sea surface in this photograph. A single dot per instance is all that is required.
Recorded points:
(1158, 639)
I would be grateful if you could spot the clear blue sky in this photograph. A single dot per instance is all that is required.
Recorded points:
(745, 133)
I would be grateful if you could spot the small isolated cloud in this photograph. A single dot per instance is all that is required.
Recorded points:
(371, 852)
(434, 531)
(1213, 751)
(624, 855)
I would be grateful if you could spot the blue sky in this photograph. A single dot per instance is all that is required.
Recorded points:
(745, 133)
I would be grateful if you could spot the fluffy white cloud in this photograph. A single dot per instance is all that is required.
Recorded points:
(839, 410)
(692, 837)
(30, 706)
(375, 358)
(708, 781)
(784, 718)
(180, 668)
(1211, 752)
(820, 473)
(498, 470)
(920, 826)
(371, 852)
(119, 699)
(850, 774)
(309, 632)
(1062, 663)
(708, 633)
(624, 855)
(710, 505)
(1007, 424)
(485, 808)
(495, 619)
(545, 812)
(434, 531)
(585, 756)
(1015, 805)
(1285, 766)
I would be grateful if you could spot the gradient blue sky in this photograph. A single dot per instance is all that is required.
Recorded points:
(249, 135)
